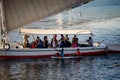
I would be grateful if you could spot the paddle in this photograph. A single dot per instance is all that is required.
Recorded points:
(57, 49)
(62, 52)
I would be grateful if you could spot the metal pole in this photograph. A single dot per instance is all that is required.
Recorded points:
(3, 22)
(0, 23)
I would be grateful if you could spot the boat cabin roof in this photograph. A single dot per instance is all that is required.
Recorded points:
(53, 31)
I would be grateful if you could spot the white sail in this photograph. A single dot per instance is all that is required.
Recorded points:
(53, 31)
(21, 12)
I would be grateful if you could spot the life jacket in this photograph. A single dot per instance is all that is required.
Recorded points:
(78, 53)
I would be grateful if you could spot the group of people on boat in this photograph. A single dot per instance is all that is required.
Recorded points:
(62, 42)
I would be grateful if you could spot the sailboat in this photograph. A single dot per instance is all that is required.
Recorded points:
(21, 52)
(17, 13)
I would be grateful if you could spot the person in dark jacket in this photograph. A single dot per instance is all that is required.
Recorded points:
(45, 42)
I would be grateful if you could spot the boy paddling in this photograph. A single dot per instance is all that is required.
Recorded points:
(78, 52)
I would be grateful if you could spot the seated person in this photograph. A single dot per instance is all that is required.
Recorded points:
(28, 45)
(40, 44)
(77, 53)
(75, 39)
(67, 43)
(33, 44)
(90, 42)
(25, 40)
(2, 41)
(45, 42)
(66, 37)
(54, 41)
(74, 44)
(38, 39)
(62, 43)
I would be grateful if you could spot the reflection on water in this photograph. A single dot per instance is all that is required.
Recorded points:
(104, 67)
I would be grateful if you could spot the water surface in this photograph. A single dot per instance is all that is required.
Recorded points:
(105, 67)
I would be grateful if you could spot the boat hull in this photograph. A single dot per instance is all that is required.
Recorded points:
(114, 48)
(47, 53)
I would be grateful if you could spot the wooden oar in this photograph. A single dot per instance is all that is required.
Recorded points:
(57, 49)
(61, 52)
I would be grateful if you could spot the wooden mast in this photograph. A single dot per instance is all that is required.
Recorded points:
(3, 32)
(3, 23)
(0, 23)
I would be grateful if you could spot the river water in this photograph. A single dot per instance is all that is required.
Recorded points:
(102, 17)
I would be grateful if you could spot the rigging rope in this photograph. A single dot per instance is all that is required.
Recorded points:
(80, 11)
(71, 19)
(83, 19)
